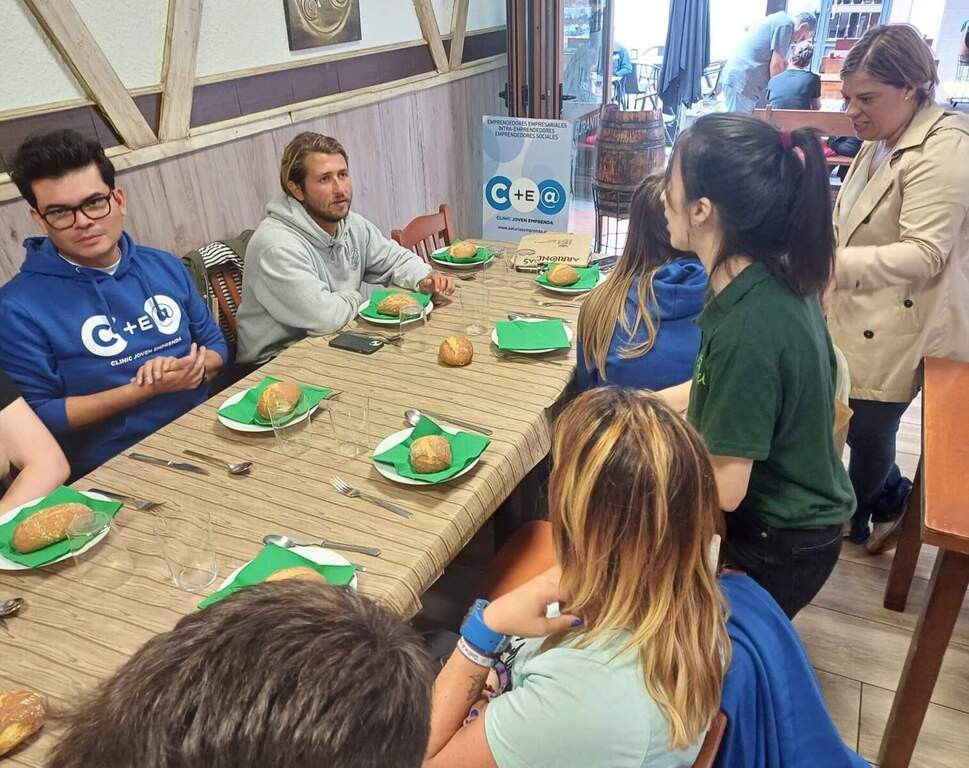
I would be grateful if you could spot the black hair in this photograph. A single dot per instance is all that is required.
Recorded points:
(811, 19)
(55, 154)
(773, 202)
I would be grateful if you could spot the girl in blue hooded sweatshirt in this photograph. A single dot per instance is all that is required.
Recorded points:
(637, 329)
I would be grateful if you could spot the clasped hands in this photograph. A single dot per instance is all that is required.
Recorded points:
(172, 374)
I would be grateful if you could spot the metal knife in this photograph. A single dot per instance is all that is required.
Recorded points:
(183, 465)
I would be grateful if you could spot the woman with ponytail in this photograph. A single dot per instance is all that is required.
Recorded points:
(753, 204)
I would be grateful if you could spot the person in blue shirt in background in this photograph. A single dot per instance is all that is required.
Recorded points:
(107, 340)
(637, 329)
(622, 65)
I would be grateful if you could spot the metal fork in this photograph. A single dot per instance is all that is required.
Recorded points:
(142, 505)
(353, 493)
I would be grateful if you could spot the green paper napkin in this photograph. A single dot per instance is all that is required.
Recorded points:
(480, 255)
(58, 549)
(518, 335)
(588, 277)
(378, 296)
(272, 559)
(245, 412)
(465, 448)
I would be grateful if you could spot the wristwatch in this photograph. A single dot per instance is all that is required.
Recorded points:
(478, 635)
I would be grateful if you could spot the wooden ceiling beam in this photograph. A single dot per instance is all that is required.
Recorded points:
(178, 70)
(459, 29)
(70, 36)
(432, 33)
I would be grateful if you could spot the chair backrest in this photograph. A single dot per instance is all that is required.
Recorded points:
(828, 123)
(427, 233)
(226, 282)
(711, 744)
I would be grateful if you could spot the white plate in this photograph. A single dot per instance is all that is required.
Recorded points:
(457, 265)
(567, 289)
(390, 320)
(238, 426)
(568, 333)
(318, 555)
(10, 565)
(388, 471)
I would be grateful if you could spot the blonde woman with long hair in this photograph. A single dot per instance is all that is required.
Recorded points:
(630, 674)
(637, 329)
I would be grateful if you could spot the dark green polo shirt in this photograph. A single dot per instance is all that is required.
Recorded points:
(763, 389)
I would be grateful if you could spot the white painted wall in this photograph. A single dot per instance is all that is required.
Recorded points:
(484, 13)
(235, 34)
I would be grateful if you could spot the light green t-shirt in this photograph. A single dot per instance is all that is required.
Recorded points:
(581, 708)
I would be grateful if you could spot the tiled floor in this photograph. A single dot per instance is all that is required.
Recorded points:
(856, 646)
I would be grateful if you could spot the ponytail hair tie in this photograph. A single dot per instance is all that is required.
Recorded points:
(786, 140)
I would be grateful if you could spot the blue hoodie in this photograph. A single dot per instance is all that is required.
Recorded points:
(72, 331)
(680, 288)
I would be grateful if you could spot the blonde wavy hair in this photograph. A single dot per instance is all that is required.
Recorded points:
(647, 250)
(633, 507)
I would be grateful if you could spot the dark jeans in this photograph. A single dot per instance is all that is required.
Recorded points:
(790, 563)
(880, 488)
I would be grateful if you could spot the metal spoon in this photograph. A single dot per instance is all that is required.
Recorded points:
(282, 540)
(239, 468)
(414, 416)
(11, 607)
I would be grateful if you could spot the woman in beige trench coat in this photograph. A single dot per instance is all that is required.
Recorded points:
(901, 285)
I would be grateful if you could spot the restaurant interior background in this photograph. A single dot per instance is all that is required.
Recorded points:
(393, 89)
(197, 135)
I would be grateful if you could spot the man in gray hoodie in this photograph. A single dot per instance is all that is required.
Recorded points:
(311, 262)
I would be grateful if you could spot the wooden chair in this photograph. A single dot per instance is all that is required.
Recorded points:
(711, 744)
(427, 233)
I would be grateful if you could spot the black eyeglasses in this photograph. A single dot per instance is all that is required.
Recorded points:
(65, 218)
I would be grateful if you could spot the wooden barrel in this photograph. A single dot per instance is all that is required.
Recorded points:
(629, 146)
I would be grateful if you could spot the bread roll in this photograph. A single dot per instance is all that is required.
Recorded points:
(394, 303)
(279, 399)
(46, 527)
(298, 573)
(21, 714)
(455, 350)
(463, 251)
(562, 274)
(430, 454)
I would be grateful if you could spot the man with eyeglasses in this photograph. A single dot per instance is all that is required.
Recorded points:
(107, 339)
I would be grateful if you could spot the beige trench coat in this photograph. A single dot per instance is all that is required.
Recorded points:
(902, 271)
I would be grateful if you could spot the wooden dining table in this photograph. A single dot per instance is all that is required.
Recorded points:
(937, 514)
(83, 621)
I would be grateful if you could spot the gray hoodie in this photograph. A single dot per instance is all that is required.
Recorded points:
(300, 281)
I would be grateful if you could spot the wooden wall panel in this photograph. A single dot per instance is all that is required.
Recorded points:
(408, 154)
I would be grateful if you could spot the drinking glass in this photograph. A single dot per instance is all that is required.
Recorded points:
(495, 272)
(83, 528)
(292, 437)
(185, 540)
(411, 321)
(350, 419)
(474, 308)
